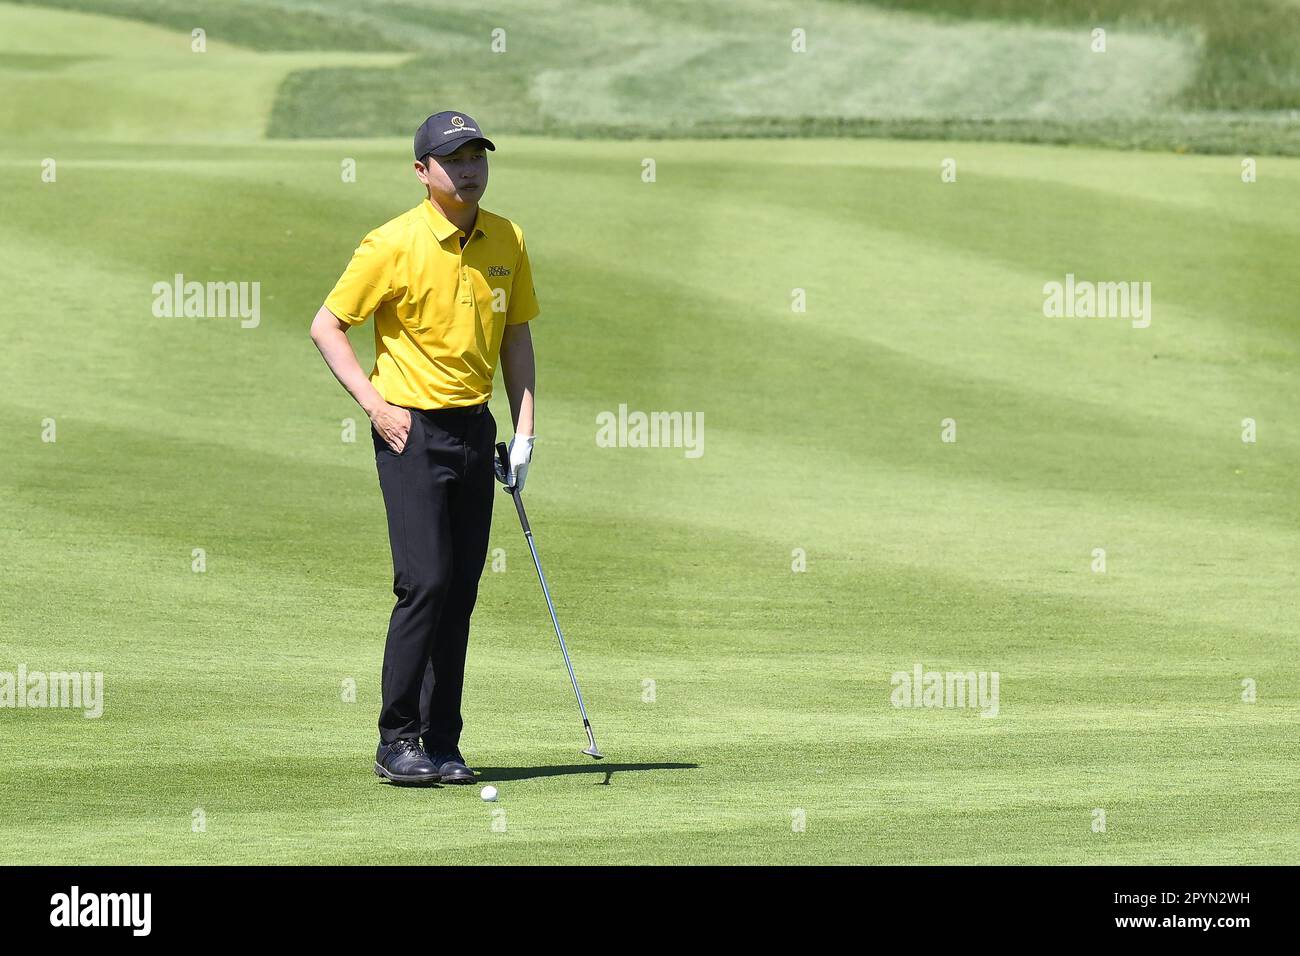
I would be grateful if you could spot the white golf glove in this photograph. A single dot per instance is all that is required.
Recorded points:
(521, 453)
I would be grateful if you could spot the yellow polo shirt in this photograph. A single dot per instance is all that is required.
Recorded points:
(439, 310)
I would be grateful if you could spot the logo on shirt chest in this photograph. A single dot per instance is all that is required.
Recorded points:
(498, 271)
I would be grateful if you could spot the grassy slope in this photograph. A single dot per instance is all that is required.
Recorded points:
(1119, 691)
(112, 79)
(1184, 74)
(1250, 62)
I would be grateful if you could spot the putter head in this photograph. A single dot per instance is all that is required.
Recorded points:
(593, 752)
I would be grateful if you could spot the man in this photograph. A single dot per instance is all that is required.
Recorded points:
(451, 290)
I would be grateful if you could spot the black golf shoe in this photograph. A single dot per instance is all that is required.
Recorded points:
(451, 767)
(403, 761)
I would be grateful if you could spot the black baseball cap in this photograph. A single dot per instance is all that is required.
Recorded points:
(443, 133)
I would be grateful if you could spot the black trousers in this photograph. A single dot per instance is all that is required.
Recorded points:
(438, 495)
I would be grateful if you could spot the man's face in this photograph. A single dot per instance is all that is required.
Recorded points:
(459, 178)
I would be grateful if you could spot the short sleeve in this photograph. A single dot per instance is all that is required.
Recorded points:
(523, 297)
(365, 283)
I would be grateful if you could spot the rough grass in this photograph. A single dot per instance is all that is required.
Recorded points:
(1251, 53)
(1179, 74)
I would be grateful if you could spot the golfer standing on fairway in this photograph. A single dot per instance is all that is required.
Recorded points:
(451, 290)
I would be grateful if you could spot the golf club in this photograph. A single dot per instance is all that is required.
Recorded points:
(503, 456)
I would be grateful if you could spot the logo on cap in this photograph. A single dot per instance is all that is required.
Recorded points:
(457, 121)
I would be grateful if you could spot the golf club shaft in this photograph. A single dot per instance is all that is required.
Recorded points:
(546, 593)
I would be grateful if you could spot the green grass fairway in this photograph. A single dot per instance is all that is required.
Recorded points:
(1120, 691)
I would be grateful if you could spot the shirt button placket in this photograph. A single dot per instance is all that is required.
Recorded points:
(466, 290)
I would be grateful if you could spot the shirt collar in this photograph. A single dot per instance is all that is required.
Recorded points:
(443, 228)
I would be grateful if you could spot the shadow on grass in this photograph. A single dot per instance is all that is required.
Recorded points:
(599, 769)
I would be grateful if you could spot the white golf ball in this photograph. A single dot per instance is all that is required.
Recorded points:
(488, 793)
